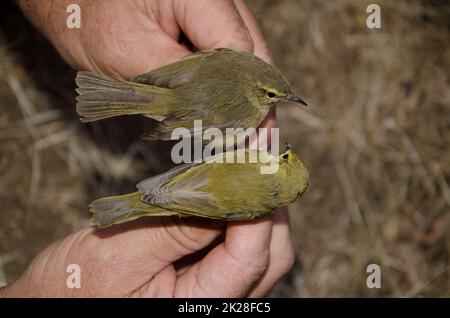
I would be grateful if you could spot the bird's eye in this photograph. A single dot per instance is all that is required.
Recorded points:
(271, 95)
(285, 156)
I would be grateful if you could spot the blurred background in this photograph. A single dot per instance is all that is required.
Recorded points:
(376, 140)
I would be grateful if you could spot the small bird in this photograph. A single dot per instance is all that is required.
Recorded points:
(224, 88)
(212, 189)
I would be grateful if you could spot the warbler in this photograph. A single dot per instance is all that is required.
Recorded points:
(212, 189)
(224, 88)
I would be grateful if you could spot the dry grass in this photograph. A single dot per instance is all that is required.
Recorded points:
(375, 139)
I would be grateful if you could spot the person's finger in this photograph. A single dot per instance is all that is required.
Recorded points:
(152, 50)
(212, 24)
(268, 123)
(232, 267)
(162, 285)
(125, 257)
(260, 46)
(281, 254)
(132, 45)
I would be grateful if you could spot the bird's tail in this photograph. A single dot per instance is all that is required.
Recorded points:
(118, 209)
(101, 97)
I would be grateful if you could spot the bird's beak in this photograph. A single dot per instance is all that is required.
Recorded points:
(294, 98)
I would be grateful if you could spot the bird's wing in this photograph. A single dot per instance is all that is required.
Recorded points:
(186, 192)
(179, 190)
(149, 184)
(175, 74)
(165, 128)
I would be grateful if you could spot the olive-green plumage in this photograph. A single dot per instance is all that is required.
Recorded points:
(224, 88)
(218, 190)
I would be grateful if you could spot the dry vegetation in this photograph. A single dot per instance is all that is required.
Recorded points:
(375, 139)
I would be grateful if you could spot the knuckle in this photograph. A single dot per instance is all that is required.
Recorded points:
(242, 38)
(183, 236)
(290, 260)
(284, 262)
(251, 265)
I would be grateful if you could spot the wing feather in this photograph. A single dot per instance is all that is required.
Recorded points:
(175, 74)
(148, 185)
(179, 190)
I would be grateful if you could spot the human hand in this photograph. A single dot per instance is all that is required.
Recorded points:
(124, 39)
(142, 259)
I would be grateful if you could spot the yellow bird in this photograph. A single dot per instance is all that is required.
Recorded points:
(228, 191)
(224, 88)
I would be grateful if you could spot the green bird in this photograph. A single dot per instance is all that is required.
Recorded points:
(224, 88)
(212, 189)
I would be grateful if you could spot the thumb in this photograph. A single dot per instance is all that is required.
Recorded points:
(119, 259)
(213, 24)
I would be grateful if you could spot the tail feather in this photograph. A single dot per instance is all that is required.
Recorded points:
(102, 97)
(118, 209)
